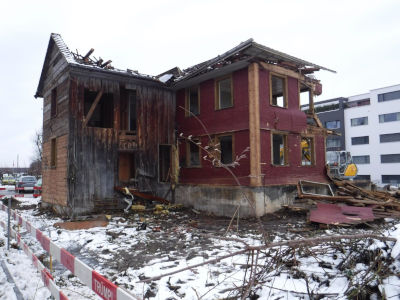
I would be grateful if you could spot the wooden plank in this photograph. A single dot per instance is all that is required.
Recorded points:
(92, 108)
(254, 125)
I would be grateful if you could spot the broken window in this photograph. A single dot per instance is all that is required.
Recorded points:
(226, 148)
(103, 113)
(53, 153)
(279, 149)
(193, 150)
(278, 91)
(164, 163)
(53, 103)
(307, 151)
(192, 101)
(132, 117)
(224, 93)
(304, 94)
(126, 167)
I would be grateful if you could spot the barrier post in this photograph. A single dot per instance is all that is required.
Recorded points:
(51, 264)
(9, 223)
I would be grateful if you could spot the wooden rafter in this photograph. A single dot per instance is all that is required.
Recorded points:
(92, 108)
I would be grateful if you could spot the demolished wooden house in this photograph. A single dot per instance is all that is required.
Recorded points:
(105, 128)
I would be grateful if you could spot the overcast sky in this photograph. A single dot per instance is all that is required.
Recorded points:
(358, 39)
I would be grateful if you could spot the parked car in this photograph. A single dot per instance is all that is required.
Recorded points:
(37, 189)
(25, 183)
(8, 180)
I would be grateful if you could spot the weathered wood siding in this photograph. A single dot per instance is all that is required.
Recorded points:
(54, 178)
(94, 152)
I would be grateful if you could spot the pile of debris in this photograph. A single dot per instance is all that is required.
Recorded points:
(350, 205)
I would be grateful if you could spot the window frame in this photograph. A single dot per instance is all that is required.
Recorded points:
(53, 103)
(188, 164)
(389, 182)
(383, 117)
(219, 153)
(387, 135)
(381, 97)
(313, 153)
(359, 118)
(393, 155)
(352, 143)
(333, 139)
(285, 95)
(217, 92)
(362, 163)
(285, 144)
(188, 112)
(337, 121)
(53, 153)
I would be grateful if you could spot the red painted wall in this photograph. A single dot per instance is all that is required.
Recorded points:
(290, 120)
(235, 118)
(293, 121)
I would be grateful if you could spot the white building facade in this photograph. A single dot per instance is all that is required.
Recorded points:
(372, 126)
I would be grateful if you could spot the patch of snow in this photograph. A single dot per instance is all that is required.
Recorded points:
(165, 78)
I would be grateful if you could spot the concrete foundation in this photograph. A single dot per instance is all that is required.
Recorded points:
(223, 200)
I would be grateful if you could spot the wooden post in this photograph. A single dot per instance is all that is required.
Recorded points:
(92, 108)
(254, 125)
(311, 100)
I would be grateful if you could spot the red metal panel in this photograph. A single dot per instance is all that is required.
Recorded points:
(340, 214)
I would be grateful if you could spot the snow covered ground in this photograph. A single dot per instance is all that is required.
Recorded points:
(132, 248)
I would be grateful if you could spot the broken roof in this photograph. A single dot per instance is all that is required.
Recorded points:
(234, 59)
(75, 59)
(246, 52)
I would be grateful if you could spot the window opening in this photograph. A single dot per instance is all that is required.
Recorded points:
(224, 93)
(103, 114)
(307, 151)
(278, 91)
(132, 111)
(164, 163)
(279, 149)
(193, 101)
(194, 153)
(53, 103)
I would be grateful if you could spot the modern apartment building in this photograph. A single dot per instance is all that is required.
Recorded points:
(372, 126)
(369, 127)
(331, 114)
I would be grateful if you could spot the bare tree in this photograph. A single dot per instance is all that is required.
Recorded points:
(35, 167)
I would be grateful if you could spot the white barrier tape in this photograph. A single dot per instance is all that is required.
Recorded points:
(98, 283)
(47, 278)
